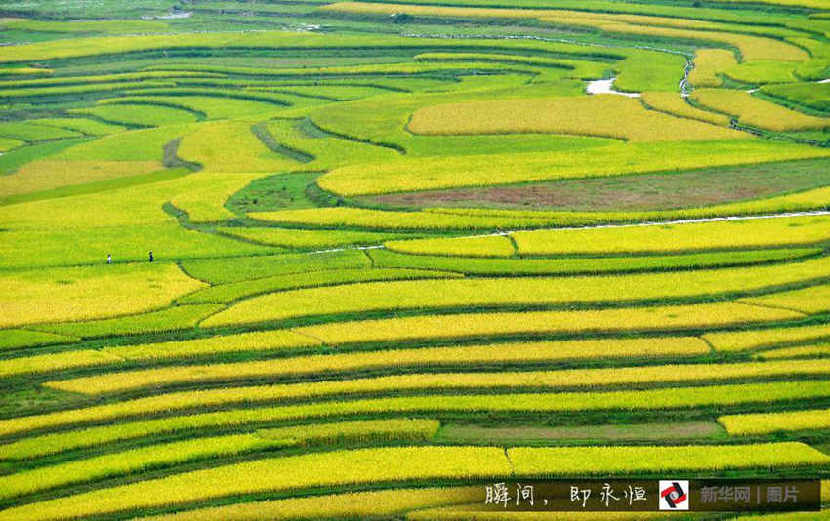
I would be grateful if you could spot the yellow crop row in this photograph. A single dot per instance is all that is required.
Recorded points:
(672, 103)
(546, 462)
(283, 474)
(55, 362)
(132, 461)
(513, 352)
(751, 47)
(258, 341)
(757, 112)
(261, 341)
(297, 436)
(811, 300)
(47, 174)
(709, 64)
(487, 169)
(745, 424)
(490, 246)
(231, 147)
(83, 293)
(602, 116)
(205, 195)
(354, 505)
(748, 233)
(136, 460)
(411, 463)
(482, 292)
(544, 402)
(755, 338)
(548, 379)
(795, 352)
(471, 325)
(525, 403)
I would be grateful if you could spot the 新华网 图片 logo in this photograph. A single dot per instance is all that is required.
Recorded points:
(674, 495)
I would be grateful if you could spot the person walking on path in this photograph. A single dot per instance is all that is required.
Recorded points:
(151, 255)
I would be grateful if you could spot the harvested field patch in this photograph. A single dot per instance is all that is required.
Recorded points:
(630, 193)
(532, 434)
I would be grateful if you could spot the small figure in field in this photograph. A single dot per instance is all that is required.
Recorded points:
(151, 255)
(109, 258)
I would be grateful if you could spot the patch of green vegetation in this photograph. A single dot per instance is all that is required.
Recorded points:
(227, 293)
(223, 271)
(140, 115)
(34, 399)
(279, 192)
(813, 95)
(13, 160)
(89, 127)
(26, 131)
(15, 338)
(293, 238)
(127, 243)
(388, 259)
(170, 319)
(7, 144)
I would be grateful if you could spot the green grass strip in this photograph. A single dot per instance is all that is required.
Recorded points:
(169, 319)
(230, 292)
(14, 338)
(564, 266)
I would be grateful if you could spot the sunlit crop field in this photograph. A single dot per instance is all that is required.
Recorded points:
(318, 260)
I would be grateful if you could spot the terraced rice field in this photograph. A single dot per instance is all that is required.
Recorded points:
(317, 260)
